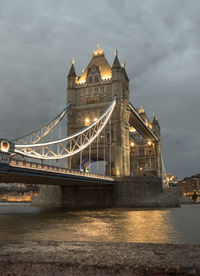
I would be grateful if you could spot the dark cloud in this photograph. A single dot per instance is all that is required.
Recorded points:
(159, 40)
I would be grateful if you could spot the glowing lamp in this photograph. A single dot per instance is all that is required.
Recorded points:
(95, 119)
(132, 129)
(87, 121)
(5, 146)
(132, 144)
(141, 110)
(149, 143)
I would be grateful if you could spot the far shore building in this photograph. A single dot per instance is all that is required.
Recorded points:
(89, 95)
(190, 185)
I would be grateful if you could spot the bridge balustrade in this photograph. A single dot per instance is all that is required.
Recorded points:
(45, 167)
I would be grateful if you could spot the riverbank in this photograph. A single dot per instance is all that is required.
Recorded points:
(90, 258)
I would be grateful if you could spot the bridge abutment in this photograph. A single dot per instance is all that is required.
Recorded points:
(87, 197)
(75, 197)
(126, 192)
(49, 196)
(144, 192)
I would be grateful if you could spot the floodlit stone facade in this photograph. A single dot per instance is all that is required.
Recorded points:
(125, 152)
(145, 155)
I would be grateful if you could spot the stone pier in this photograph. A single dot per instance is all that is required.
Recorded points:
(126, 192)
(142, 192)
(75, 197)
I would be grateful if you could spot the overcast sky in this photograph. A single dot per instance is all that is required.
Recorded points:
(158, 39)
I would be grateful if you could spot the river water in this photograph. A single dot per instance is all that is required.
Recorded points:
(175, 225)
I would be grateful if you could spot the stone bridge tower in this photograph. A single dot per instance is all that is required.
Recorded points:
(90, 94)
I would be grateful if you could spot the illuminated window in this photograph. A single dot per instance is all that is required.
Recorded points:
(96, 78)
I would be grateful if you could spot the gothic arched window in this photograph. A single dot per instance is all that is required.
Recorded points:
(96, 78)
(90, 79)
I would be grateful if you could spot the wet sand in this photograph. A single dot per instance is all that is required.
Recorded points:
(89, 258)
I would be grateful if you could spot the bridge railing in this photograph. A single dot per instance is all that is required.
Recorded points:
(50, 168)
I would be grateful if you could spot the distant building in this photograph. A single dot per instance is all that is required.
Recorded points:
(6, 185)
(190, 185)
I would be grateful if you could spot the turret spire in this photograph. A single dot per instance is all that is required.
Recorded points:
(124, 71)
(72, 72)
(155, 120)
(116, 63)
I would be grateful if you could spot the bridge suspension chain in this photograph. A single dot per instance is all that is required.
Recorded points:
(110, 145)
(39, 134)
(70, 145)
(164, 175)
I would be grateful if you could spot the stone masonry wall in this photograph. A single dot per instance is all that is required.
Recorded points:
(142, 192)
(127, 192)
(87, 197)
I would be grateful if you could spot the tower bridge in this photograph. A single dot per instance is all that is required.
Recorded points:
(89, 95)
(102, 125)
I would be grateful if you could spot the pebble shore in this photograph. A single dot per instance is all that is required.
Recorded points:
(48, 258)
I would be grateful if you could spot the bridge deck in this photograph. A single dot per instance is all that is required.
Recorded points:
(19, 171)
(137, 122)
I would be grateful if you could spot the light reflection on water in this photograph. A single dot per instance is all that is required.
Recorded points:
(176, 225)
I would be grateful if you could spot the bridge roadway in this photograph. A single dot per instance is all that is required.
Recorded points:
(136, 121)
(19, 171)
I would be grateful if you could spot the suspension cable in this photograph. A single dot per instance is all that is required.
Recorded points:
(89, 134)
(97, 153)
(38, 134)
(81, 152)
(104, 153)
(89, 154)
(110, 145)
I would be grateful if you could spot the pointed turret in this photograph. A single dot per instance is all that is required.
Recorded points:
(124, 72)
(116, 69)
(156, 126)
(155, 121)
(143, 114)
(116, 64)
(72, 72)
(71, 83)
